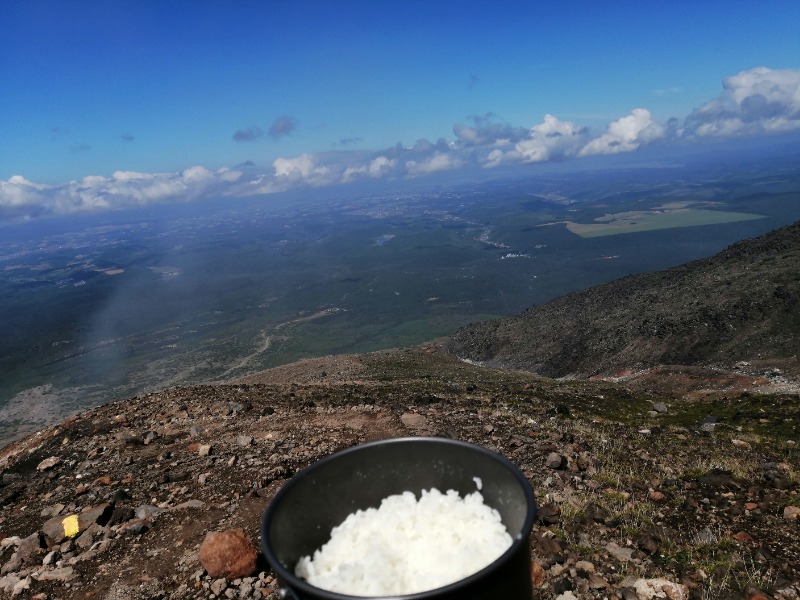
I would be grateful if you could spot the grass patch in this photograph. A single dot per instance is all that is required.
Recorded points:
(651, 220)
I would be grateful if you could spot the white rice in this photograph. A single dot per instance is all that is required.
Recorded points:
(408, 545)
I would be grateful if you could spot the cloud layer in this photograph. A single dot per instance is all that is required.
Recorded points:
(754, 102)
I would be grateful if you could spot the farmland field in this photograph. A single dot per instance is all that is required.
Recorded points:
(652, 220)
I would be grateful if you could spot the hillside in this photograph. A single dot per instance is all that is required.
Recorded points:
(639, 493)
(677, 481)
(742, 304)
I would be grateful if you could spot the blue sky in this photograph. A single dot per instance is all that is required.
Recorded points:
(321, 92)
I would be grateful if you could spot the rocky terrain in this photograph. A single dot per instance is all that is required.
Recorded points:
(672, 471)
(742, 304)
(689, 492)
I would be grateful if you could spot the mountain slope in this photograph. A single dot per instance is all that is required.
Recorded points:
(741, 304)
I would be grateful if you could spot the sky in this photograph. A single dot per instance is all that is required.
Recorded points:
(107, 105)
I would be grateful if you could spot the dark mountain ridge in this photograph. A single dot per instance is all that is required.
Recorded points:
(742, 304)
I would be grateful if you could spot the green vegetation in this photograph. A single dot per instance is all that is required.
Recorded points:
(653, 220)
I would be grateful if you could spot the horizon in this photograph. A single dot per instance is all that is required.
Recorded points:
(155, 104)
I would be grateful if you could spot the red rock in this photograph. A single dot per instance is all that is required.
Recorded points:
(228, 554)
(537, 574)
(656, 496)
(743, 536)
(750, 505)
(136, 526)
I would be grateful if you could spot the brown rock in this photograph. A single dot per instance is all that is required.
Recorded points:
(48, 463)
(413, 420)
(58, 574)
(31, 548)
(597, 582)
(554, 461)
(743, 536)
(585, 565)
(228, 554)
(136, 526)
(537, 574)
(750, 505)
(660, 588)
(549, 514)
(656, 496)
(60, 528)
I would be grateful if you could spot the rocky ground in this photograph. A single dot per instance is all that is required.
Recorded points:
(643, 492)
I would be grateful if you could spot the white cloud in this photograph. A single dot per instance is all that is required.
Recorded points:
(432, 164)
(552, 139)
(381, 166)
(487, 129)
(752, 102)
(626, 134)
(22, 198)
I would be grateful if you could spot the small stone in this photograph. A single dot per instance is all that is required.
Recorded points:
(585, 565)
(194, 503)
(750, 505)
(621, 554)
(660, 407)
(656, 496)
(148, 511)
(595, 512)
(488, 428)
(59, 574)
(742, 536)
(204, 449)
(537, 574)
(244, 440)
(740, 444)
(228, 554)
(597, 582)
(660, 588)
(48, 463)
(647, 544)
(31, 548)
(791, 513)
(136, 526)
(194, 430)
(549, 514)
(218, 586)
(568, 595)
(413, 420)
(554, 461)
(21, 586)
